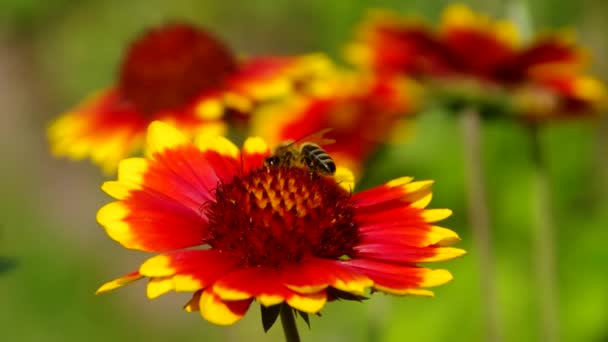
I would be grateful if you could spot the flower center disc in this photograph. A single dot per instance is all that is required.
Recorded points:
(169, 67)
(278, 215)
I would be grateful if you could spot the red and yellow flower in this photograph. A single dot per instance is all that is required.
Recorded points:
(179, 74)
(471, 46)
(363, 111)
(559, 94)
(232, 230)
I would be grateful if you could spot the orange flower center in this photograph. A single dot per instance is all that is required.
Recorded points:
(169, 67)
(274, 216)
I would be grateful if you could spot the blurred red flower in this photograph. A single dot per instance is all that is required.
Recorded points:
(470, 46)
(180, 74)
(363, 112)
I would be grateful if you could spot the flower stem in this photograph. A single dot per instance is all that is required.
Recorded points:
(289, 324)
(602, 157)
(544, 243)
(479, 217)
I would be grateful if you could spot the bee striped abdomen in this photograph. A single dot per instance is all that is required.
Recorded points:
(317, 159)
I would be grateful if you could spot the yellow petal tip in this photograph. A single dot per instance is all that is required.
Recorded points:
(255, 145)
(216, 311)
(163, 136)
(157, 266)
(436, 277)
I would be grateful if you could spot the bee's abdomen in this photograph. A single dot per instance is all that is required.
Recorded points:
(317, 159)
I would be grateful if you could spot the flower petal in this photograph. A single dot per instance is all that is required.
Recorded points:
(219, 144)
(159, 286)
(193, 303)
(221, 155)
(220, 312)
(397, 217)
(402, 189)
(100, 129)
(263, 283)
(400, 280)
(554, 49)
(391, 44)
(111, 216)
(255, 151)
(345, 178)
(403, 233)
(434, 215)
(478, 45)
(153, 222)
(190, 270)
(406, 254)
(188, 175)
(315, 274)
(130, 177)
(310, 303)
(264, 78)
(119, 282)
(209, 109)
(163, 136)
(168, 192)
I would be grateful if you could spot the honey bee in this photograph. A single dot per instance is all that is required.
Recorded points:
(308, 154)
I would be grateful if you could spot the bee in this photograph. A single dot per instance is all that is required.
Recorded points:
(308, 154)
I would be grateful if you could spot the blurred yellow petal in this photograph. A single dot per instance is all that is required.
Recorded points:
(163, 136)
(218, 144)
(255, 145)
(345, 178)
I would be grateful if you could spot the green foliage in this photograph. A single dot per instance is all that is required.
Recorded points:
(49, 295)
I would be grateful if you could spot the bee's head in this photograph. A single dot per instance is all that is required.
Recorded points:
(273, 160)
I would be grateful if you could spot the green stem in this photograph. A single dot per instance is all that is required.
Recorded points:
(602, 157)
(479, 217)
(544, 243)
(289, 324)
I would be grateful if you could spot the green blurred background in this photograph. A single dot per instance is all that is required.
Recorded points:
(52, 53)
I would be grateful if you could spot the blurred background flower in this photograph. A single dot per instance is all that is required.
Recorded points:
(181, 74)
(472, 60)
(476, 66)
(53, 53)
(362, 110)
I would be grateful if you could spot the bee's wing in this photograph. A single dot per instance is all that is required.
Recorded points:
(318, 138)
